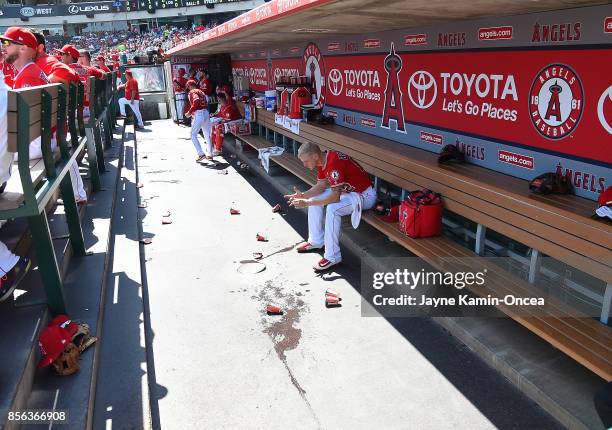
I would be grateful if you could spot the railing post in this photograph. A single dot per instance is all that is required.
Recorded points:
(47, 263)
(46, 116)
(606, 308)
(534, 265)
(72, 110)
(80, 104)
(481, 232)
(62, 104)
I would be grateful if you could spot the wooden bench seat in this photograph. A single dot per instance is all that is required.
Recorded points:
(581, 337)
(561, 228)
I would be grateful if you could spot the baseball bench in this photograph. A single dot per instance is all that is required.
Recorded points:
(557, 226)
(32, 113)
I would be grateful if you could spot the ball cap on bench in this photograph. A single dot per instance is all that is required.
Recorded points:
(451, 153)
(66, 323)
(20, 35)
(52, 342)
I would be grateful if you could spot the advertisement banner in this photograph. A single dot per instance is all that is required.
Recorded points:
(524, 95)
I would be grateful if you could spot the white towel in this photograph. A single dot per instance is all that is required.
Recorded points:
(266, 153)
(357, 204)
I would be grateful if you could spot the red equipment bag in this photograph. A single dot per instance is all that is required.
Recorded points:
(421, 214)
(217, 136)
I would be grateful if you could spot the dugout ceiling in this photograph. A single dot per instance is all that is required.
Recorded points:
(293, 21)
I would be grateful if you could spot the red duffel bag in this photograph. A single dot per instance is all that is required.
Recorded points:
(421, 214)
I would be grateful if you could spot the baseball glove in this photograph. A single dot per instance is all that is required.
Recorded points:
(68, 362)
(82, 338)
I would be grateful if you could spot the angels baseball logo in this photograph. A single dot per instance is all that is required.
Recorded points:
(315, 69)
(335, 175)
(606, 96)
(556, 101)
(335, 81)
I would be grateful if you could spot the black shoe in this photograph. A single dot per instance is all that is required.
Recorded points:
(2, 187)
(9, 282)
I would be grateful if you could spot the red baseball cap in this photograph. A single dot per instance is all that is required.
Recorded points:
(191, 82)
(128, 72)
(100, 58)
(66, 323)
(605, 198)
(70, 50)
(52, 342)
(114, 57)
(20, 35)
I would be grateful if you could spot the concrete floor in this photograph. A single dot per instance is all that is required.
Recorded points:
(215, 360)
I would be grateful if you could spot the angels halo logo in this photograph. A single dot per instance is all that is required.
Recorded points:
(556, 101)
(315, 69)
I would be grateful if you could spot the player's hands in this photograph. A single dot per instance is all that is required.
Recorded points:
(297, 194)
(299, 203)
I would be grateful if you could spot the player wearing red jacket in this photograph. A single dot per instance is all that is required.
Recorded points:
(70, 56)
(198, 108)
(59, 73)
(18, 48)
(132, 98)
(101, 63)
(344, 187)
(179, 85)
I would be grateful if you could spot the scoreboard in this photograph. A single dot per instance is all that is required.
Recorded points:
(152, 5)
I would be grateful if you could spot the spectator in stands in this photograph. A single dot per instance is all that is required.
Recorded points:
(344, 187)
(198, 108)
(59, 73)
(132, 98)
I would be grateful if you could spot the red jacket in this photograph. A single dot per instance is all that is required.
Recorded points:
(197, 101)
(229, 112)
(131, 90)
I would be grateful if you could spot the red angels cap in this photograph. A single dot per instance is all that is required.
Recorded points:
(52, 342)
(70, 50)
(191, 82)
(128, 72)
(100, 58)
(20, 35)
(66, 323)
(115, 57)
(605, 198)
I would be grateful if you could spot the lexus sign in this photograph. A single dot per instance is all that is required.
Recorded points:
(74, 9)
(88, 8)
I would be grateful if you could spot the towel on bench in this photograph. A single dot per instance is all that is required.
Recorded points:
(266, 153)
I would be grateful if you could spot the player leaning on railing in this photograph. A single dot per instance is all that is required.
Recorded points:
(18, 45)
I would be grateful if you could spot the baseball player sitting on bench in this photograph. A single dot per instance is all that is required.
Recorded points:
(344, 187)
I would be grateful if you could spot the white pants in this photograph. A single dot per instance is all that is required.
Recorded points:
(7, 259)
(328, 233)
(135, 105)
(201, 120)
(180, 105)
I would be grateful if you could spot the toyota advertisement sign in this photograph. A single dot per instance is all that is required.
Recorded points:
(542, 103)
